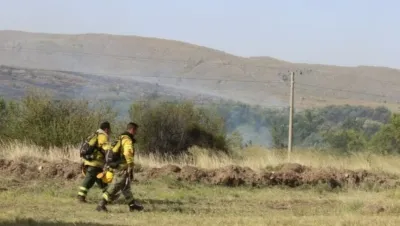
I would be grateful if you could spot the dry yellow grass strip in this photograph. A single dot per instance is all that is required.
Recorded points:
(255, 157)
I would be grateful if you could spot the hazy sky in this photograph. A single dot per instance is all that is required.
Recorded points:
(343, 32)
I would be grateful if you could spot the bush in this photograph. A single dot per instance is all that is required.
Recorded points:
(51, 123)
(387, 139)
(172, 128)
(346, 140)
(3, 114)
(235, 141)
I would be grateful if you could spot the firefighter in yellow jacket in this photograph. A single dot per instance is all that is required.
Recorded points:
(119, 161)
(93, 166)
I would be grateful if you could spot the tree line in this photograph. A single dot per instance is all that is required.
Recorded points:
(342, 128)
(170, 128)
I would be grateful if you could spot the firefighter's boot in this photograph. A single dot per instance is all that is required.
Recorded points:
(82, 199)
(102, 206)
(135, 206)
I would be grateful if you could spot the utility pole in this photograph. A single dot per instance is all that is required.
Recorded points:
(290, 138)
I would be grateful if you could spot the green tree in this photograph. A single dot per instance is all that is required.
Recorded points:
(47, 122)
(279, 132)
(387, 139)
(170, 129)
(235, 140)
(351, 123)
(3, 115)
(346, 140)
(307, 123)
(371, 127)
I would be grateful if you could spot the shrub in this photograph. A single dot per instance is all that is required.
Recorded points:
(387, 139)
(47, 122)
(235, 141)
(172, 128)
(3, 114)
(279, 132)
(346, 140)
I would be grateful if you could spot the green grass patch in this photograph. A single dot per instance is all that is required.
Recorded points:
(169, 202)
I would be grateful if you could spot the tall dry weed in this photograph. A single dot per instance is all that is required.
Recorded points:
(256, 158)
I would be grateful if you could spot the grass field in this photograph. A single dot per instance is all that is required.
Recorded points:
(172, 202)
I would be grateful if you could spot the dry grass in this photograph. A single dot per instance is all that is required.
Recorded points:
(254, 157)
(171, 202)
(17, 149)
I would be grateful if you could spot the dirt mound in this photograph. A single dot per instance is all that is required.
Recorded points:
(40, 169)
(192, 174)
(233, 176)
(291, 175)
(164, 171)
(228, 176)
(293, 167)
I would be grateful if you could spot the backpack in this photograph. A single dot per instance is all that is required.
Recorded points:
(114, 156)
(88, 147)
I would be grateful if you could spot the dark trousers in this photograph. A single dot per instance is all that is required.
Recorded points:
(90, 180)
(120, 183)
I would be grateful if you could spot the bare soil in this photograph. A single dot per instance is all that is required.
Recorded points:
(291, 175)
(28, 169)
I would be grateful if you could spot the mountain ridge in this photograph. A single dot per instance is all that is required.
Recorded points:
(199, 68)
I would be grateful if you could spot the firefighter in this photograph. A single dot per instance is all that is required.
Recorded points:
(120, 163)
(94, 165)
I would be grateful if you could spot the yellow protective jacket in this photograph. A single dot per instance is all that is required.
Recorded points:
(102, 143)
(126, 151)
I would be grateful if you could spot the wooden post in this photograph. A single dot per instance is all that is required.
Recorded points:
(290, 138)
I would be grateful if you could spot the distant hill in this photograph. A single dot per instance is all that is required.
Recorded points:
(111, 66)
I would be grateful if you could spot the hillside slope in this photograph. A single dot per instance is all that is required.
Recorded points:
(190, 69)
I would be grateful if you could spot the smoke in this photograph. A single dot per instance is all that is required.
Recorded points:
(261, 137)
